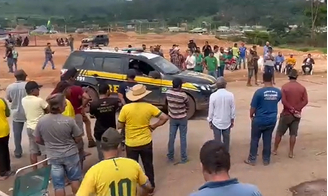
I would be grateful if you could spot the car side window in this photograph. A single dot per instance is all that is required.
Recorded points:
(75, 61)
(98, 61)
(112, 65)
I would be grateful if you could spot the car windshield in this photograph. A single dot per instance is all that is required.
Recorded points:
(165, 66)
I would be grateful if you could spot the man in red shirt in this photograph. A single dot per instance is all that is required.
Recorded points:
(79, 99)
(294, 99)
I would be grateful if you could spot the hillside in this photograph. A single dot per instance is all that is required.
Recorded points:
(173, 11)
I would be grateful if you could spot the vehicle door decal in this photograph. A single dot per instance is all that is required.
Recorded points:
(139, 79)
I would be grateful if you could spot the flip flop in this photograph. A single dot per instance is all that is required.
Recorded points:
(291, 156)
(274, 152)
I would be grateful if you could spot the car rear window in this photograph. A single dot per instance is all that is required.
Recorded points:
(74, 60)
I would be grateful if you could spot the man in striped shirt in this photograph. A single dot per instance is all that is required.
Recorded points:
(177, 101)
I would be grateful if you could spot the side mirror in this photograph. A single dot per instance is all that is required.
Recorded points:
(155, 74)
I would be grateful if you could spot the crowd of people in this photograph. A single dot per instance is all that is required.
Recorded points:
(55, 126)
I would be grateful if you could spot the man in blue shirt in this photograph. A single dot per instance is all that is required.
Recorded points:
(263, 113)
(279, 60)
(215, 162)
(242, 55)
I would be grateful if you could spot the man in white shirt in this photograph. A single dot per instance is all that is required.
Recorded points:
(217, 55)
(221, 113)
(190, 61)
(34, 107)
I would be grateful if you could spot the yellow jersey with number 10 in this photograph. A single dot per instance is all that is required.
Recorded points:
(113, 177)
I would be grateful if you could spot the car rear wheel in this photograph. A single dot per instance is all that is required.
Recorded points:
(192, 107)
(93, 96)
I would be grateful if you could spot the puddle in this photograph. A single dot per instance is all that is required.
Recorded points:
(310, 188)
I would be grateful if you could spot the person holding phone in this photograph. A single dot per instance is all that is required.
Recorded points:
(48, 57)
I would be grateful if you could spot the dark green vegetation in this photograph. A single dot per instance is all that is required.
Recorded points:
(274, 14)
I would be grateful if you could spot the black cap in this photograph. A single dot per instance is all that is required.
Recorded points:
(111, 138)
(131, 73)
(31, 85)
(177, 82)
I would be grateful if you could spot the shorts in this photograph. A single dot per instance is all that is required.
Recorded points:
(288, 122)
(33, 146)
(65, 167)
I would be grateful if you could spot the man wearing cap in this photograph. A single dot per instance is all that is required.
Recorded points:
(294, 99)
(48, 56)
(135, 118)
(114, 175)
(14, 94)
(221, 113)
(177, 102)
(35, 107)
(60, 134)
(104, 109)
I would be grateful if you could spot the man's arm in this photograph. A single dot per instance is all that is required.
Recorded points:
(284, 101)
(254, 104)
(232, 110)
(37, 134)
(121, 119)
(7, 109)
(8, 97)
(77, 133)
(211, 107)
(143, 182)
(304, 101)
(120, 92)
(44, 106)
(160, 115)
(88, 185)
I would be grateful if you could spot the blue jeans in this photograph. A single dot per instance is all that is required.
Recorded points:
(268, 69)
(65, 167)
(182, 125)
(256, 133)
(15, 64)
(10, 62)
(18, 129)
(46, 62)
(223, 136)
(212, 73)
(242, 59)
(71, 47)
(220, 72)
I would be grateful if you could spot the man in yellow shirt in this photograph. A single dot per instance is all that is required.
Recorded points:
(290, 63)
(4, 141)
(114, 176)
(135, 118)
(35, 107)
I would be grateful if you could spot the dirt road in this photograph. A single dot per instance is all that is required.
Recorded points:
(310, 160)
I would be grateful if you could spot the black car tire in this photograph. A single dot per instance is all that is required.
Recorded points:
(192, 107)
